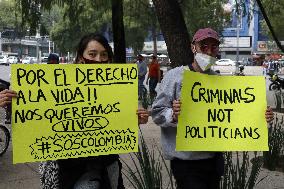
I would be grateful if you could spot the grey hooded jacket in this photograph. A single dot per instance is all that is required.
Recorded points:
(168, 91)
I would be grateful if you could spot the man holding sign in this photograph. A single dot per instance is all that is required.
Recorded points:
(192, 169)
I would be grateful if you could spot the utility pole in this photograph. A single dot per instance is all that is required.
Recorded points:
(238, 14)
(154, 29)
(49, 50)
(38, 51)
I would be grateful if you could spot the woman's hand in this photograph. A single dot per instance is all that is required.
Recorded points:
(6, 97)
(143, 116)
(269, 115)
(176, 109)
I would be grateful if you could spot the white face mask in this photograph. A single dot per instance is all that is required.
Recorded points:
(204, 61)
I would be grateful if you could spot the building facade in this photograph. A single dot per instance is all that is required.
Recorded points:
(33, 46)
(243, 34)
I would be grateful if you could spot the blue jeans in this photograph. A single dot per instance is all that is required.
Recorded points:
(152, 86)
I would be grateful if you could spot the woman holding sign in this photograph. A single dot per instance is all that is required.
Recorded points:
(91, 172)
(191, 169)
(103, 171)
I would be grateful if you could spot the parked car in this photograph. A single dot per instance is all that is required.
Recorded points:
(29, 60)
(225, 62)
(44, 59)
(12, 59)
(35, 60)
(3, 60)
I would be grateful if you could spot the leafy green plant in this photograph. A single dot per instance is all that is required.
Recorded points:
(236, 173)
(147, 170)
(146, 99)
(276, 144)
(257, 163)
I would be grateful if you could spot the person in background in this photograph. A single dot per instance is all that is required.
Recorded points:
(192, 170)
(142, 71)
(53, 59)
(264, 68)
(154, 76)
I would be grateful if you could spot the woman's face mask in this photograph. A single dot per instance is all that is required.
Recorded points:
(204, 61)
(88, 61)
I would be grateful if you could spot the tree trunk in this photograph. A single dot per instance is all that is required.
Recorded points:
(154, 36)
(118, 32)
(174, 31)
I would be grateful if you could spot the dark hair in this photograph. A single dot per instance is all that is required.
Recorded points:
(93, 37)
(53, 59)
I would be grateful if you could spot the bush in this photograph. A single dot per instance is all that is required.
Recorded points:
(236, 174)
(147, 171)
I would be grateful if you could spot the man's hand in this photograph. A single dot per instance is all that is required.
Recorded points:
(143, 115)
(176, 109)
(6, 97)
(269, 115)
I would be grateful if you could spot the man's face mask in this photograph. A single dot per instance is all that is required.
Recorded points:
(204, 61)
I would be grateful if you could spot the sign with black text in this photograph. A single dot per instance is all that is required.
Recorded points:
(222, 113)
(73, 110)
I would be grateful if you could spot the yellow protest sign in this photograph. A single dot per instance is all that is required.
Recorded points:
(73, 110)
(222, 113)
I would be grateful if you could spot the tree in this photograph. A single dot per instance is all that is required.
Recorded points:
(67, 30)
(174, 30)
(168, 12)
(198, 14)
(31, 11)
(10, 18)
(138, 19)
(118, 31)
(274, 23)
(203, 13)
(49, 18)
(7, 15)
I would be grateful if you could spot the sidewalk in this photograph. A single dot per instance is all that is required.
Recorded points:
(19, 176)
(25, 176)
